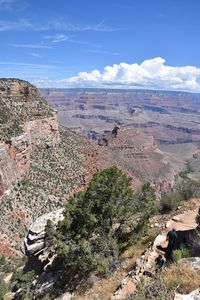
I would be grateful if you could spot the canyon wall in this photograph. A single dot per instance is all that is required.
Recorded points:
(138, 155)
(26, 122)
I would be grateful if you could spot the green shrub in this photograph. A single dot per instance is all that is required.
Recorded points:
(188, 189)
(147, 200)
(186, 171)
(179, 254)
(49, 234)
(170, 201)
(3, 291)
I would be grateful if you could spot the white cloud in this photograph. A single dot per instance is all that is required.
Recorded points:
(28, 25)
(57, 38)
(21, 64)
(15, 25)
(67, 26)
(31, 46)
(152, 74)
(60, 37)
(15, 5)
(36, 55)
(101, 52)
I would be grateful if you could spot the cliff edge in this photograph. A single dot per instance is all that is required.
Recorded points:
(26, 122)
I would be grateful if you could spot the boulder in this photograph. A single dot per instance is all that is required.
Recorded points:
(195, 295)
(34, 242)
(192, 262)
(66, 296)
(46, 282)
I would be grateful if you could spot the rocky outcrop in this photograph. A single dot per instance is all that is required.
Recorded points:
(34, 242)
(195, 295)
(145, 265)
(43, 131)
(14, 162)
(46, 282)
(192, 262)
(26, 122)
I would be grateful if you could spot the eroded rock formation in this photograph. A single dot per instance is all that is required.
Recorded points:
(26, 122)
(34, 242)
(138, 155)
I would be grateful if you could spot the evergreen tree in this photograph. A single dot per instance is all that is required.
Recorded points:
(86, 237)
(49, 234)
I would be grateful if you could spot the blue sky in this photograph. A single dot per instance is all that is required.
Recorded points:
(102, 43)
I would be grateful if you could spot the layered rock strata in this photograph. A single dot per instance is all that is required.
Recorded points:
(26, 122)
(138, 155)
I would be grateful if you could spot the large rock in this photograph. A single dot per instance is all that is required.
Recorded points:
(192, 262)
(46, 282)
(195, 295)
(34, 242)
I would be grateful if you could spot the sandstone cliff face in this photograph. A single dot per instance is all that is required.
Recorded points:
(26, 122)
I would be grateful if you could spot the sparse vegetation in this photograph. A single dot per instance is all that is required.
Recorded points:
(183, 191)
(170, 201)
(179, 254)
(186, 171)
(54, 174)
(175, 278)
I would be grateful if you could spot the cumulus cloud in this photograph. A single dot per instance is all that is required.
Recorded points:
(152, 74)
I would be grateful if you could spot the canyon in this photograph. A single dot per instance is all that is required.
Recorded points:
(43, 163)
(172, 118)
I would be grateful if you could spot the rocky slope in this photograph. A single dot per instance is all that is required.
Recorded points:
(185, 223)
(123, 283)
(40, 165)
(26, 122)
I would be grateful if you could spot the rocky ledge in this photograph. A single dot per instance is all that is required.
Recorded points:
(34, 241)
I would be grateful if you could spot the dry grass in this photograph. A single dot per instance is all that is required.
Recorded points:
(181, 278)
(175, 279)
